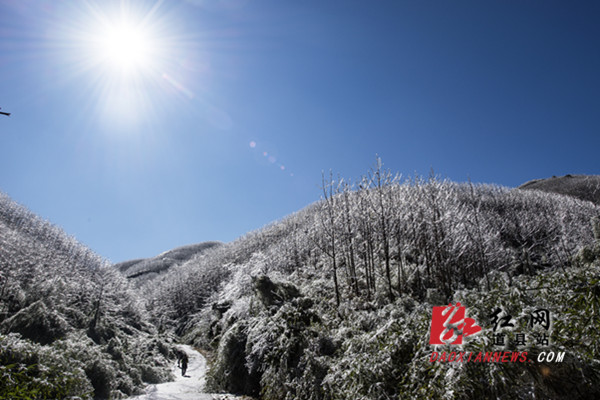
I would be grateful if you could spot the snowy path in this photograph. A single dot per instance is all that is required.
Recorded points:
(189, 387)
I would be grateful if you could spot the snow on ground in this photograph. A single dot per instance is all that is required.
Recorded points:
(188, 387)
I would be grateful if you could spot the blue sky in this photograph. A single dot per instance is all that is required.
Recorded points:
(227, 119)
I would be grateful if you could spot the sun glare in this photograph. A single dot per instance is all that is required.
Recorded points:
(126, 47)
(127, 54)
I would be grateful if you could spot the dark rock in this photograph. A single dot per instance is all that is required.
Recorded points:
(274, 294)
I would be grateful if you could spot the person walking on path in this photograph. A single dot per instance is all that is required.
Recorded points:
(179, 353)
(184, 363)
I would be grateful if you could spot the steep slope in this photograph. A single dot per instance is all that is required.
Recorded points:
(145, 269)
(584, 187)
(336, 300)
(69, 325)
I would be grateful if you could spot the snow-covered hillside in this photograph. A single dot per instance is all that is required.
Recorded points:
(333, 302)
(336, 300)
(69, 324)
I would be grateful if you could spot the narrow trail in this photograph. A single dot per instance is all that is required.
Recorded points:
(188, 387)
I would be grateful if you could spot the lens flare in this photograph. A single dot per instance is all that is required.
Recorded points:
(272, 160)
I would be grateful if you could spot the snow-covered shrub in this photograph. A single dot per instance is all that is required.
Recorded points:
(152, 374)
(102, 377)
(28, 370)
(376, 354)
(38, 323)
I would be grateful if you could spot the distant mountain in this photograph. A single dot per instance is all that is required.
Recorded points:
(144, 269)
(584, 187)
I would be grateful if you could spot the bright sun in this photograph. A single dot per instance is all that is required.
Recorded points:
(126, 47)
(126, 51)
